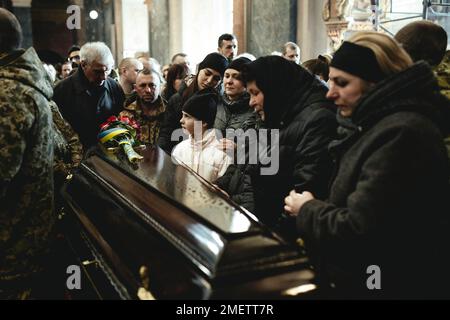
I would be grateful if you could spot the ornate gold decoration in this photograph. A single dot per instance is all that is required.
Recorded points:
(144, 291)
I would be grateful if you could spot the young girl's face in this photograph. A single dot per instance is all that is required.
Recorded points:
(187, 123)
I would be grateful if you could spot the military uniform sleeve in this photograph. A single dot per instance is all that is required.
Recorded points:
(74, 147)
(15, 123)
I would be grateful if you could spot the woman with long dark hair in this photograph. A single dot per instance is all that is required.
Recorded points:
(176, 74)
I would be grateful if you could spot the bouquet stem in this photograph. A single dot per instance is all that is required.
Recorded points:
(132, 155)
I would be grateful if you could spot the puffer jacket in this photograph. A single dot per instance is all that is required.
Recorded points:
(204, 156)
(234, 114)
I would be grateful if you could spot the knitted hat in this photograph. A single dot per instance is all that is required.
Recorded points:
(359, 61)
(203, 105)
(238, 63)
(215, 61)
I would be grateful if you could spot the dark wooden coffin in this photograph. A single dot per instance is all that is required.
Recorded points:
(156, 229)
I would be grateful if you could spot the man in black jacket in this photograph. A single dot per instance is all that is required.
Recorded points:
(89, 96)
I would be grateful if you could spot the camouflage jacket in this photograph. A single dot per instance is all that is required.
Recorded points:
(150, 124)
(443, 75)
(68, 148)
(26, 161)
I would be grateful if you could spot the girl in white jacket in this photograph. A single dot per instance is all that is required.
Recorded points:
(200, 151)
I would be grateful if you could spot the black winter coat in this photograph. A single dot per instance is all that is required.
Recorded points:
(389, 200)
(295, 104)
(85, 107)
(171, 120)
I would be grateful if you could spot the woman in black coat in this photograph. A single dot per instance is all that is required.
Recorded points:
(290, 101)
(382, 233)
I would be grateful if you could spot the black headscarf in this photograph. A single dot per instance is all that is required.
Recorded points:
(283, 83)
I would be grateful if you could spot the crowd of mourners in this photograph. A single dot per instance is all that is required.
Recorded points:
(352, 158)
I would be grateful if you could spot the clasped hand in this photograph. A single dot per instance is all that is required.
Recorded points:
(295, 201)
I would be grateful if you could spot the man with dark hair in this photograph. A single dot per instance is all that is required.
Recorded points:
(423, 40)
(74, 56)
(26, 166)
(227, 46)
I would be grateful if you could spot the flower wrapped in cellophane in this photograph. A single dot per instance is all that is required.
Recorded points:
(120, 133)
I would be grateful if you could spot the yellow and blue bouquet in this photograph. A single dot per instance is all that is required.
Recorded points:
(120, 133)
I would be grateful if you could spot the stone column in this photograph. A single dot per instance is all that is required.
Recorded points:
(175, 27)
(312, 33)
(240, 24)
(159, 30)
(270, 25)
(107, 32)
(118, 30)
(22, 10)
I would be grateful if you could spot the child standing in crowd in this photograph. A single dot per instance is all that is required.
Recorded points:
(200, 152)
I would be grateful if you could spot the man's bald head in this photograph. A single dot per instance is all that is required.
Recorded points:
(10, 32)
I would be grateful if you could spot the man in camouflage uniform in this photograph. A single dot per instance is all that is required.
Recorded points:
(425, 40)
(443, 76)
(148, 110)
(68, 148)
(26, 160)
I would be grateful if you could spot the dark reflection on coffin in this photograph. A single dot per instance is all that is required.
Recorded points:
(157, 228)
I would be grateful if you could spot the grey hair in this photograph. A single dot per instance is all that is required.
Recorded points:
(97, 51)
(290, 45)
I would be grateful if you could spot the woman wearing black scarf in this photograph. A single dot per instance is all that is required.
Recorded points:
(383, 231)
(293, 102)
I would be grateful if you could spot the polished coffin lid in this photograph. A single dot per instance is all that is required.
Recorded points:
(158, 225)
